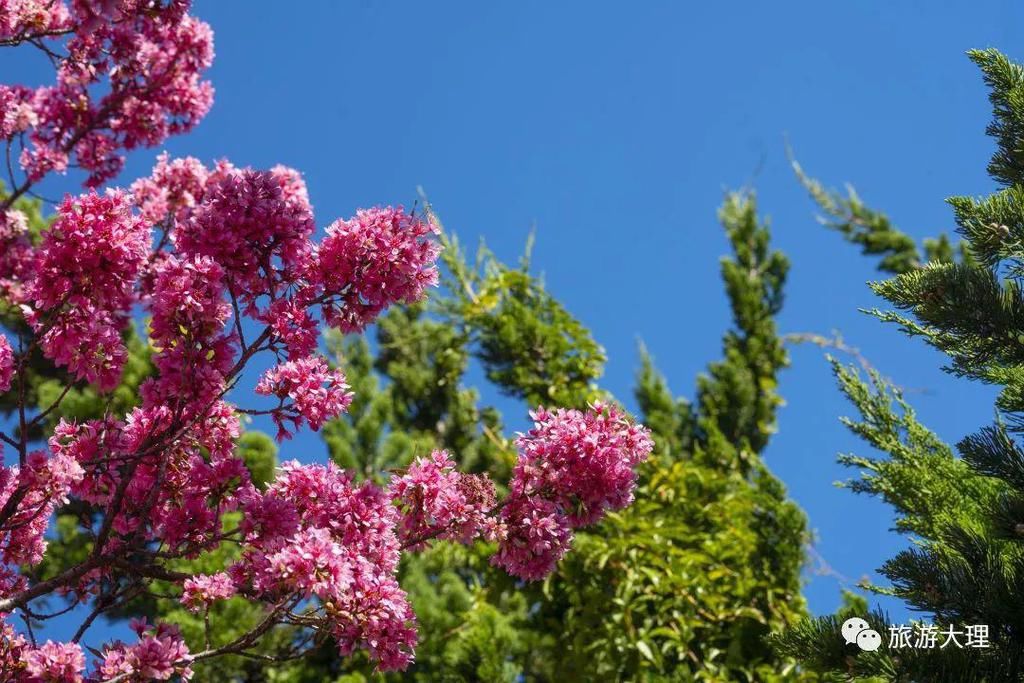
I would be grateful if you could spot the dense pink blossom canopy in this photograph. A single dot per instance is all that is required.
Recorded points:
(223, 265)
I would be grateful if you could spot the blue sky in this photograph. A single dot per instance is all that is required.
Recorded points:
(615, 128)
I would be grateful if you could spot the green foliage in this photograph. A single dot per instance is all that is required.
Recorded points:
(927, 486)
(737, 399)
(530, 346)
(260, 455)
(683, 586)
(670, 418)
(964, 311)
(873, 231)
(1005, 80)
(965, 515)
(686, 583)
(476, 623)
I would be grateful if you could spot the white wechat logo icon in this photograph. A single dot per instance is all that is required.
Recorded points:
(856, 630)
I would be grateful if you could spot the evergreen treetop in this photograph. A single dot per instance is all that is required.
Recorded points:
(964, 514)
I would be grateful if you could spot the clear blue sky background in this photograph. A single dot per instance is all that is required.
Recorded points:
(614, 128)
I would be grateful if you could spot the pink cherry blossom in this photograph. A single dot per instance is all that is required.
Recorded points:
(293, 187)
(94, 13)
(582, 461)
(174, 188)
(89, 444)
(87, 342)
(41, 485)
(254, 231)
(84, 284)
(147, 57)
(92, 253)
(380, 257)
(217, 267)
(17, 256)
(13, 647)
(378, 618)
(21, 19)
(159, 655)
(318, 393)
(313, 563)
(16, 104)
(573, 466)
(57, 662)
(536, 536)
(293, 325)
(315, 532)
(202, 590)
(6, 364)
(436, 499)
(188, 300)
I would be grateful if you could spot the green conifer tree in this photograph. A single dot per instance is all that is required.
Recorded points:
(685, 584)
(965, 514)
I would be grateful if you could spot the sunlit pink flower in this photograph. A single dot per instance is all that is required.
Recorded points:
(582, 461)
(159, 655)
(436, 499)
(202, 590)
(92, 253)
(318, 393)
(256, 233)
(380, 257)
(537, 536)
(57, 662)
(6, 364)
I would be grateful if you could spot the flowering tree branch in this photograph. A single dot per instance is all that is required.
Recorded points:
(211, 254)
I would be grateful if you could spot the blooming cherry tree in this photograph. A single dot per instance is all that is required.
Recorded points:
(222, 260)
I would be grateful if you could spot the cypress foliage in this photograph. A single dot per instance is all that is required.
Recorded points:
(873, 231)
(966, 514)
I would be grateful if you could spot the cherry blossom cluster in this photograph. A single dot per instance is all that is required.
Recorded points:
(256, 232)
(374, 260)
(83, 284)
(573, 467)
(437, 500)
(167, 472)
(55, 662)
(21, 19)
(203, 590)
(219, 265)
(6, 364)
(129, 74)
(317, 392)
(15, 254)
(315, 532)
(175, 187)
(160, 654)
(13, 649)
(40, 485)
